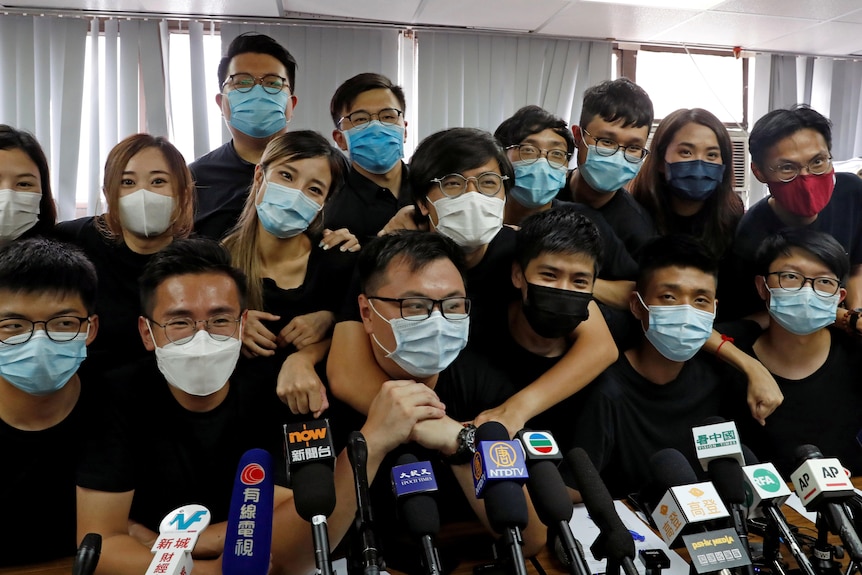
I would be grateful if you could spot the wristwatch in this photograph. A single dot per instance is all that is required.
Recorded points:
(466, 445)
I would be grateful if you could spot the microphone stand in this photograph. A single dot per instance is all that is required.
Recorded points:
(512, 539)
(577, 564)
(320, 536)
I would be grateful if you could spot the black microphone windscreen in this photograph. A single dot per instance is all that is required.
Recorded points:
(548, 493)
(492, 431)
(313, 490)
(749, 456)
(805, 452)
(420, 514)
(713, 419)
(406, 459)
(728, 479)
(670, 468)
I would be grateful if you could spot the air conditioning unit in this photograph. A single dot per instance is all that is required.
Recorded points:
(741, 173)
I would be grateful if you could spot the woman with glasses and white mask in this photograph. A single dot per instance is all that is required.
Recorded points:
(295, 285)
(149, 195)
(26, 204)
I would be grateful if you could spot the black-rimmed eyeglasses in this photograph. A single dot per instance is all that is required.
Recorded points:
(60, 329)
(421, 308)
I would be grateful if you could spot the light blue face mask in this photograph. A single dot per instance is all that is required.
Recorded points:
(536, 183)
(427, 347)
(257, 113)
(285, 212)
(376, 147)
(606, 174)
(678, 331)
(41, 365)
(802, 312)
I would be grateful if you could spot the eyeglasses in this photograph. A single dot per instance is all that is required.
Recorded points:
(420, 308)
(362, 119)
(787, 172)
(792, 281)
(242, 82)
(60, 329)
(487, 183)
(530, 154)
(607, 147)
(182, 329)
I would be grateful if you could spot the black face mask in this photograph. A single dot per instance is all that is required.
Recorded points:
(553, 312)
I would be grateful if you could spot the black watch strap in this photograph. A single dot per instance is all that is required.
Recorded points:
(466, 445)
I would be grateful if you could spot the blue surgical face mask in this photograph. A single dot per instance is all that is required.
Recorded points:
(693, 180)
(802, 312)
(537, 183)
(427, 347)
(678, 331)
(376, 147)
(257, 113)
(606, 174)
(41, 365)
(285, 212)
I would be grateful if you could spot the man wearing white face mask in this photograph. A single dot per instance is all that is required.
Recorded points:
(657, 390)
(801, 275)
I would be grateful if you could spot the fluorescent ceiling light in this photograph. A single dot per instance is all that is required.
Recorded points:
(688, 5)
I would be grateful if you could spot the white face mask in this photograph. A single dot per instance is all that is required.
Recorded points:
(471, 220)
(201, 366)
(146, 213)
(19, 211)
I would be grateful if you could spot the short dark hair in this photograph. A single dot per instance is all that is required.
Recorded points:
(613, 100)
(455, 151)
(259, 44)
(819, 244)
(531, 120)
(778, 124)
(13, 139)
(350, 89)
(183, 257)
(416, 247)
(562, 230)
(674, 250)
(40, 265)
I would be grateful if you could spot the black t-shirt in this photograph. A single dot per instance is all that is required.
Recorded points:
(823, 409)
(363, 207)
(171, 456)
(626, 419)
(631, 222)
(222, 182)
(841, 218)
(118, 298)
(37, 485)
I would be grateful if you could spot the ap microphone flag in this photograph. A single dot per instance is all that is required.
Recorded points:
(248, 537)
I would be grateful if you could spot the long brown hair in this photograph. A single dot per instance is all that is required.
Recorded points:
(242, 240)
(14, 139)
(723, 208)
(118, 158)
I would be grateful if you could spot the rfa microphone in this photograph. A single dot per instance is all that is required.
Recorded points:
(310, 468)
(499, 471)
(87, 557)
(549, 494)
(178, 535)
(413, 484)
(357, 453)
(823, 485)
(248, 537)
(614, 541)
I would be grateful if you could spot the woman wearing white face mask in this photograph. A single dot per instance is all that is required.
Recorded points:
(26, 204)
(149, 196)
(295, 283)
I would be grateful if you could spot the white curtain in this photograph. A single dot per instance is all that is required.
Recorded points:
(479, 80)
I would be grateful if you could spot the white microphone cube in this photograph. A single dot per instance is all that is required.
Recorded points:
(684, 505)
(818, 479)
(763, 483)
(716, 441)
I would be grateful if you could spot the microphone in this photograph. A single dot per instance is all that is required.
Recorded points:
(357, 453)
(178, 535)
(614, 541)
(88, 554)
(823, 485)
(549, 494)
(498, 474)
(767, 492)
(248, 536)
(310, 467)
(412, 483)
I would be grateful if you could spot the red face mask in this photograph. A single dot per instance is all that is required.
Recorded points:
(806, 195)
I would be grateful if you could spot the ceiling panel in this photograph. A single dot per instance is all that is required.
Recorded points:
(728, 29)
(852, 17)
(614, 21)
(377, 10)
(259, 8)
(808, 9)
(523, 15)
(828, 39)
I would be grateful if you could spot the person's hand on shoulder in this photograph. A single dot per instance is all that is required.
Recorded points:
(257, 340)
(404, 219)
(304, 330)
(340, 237)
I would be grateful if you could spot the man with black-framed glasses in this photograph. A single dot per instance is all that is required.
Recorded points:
(368, 113)
(257, 86)
(47, 404)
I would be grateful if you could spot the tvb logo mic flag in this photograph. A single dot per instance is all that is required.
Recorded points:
(539, 445)
(248, 537)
